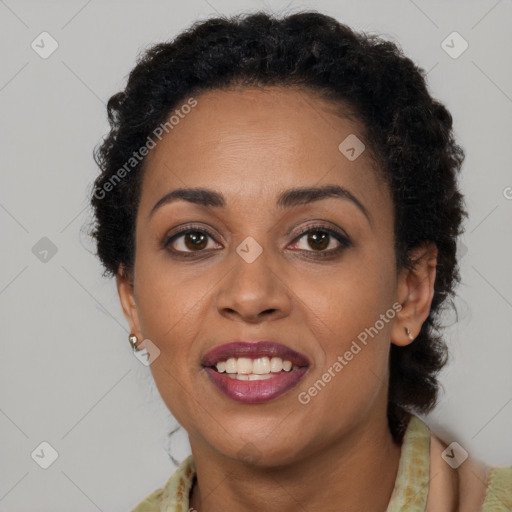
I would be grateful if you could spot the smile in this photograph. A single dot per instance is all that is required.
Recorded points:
(254, 372)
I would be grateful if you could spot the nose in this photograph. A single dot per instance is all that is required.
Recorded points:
(254, 292)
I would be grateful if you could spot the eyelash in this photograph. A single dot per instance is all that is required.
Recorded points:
(345, 243)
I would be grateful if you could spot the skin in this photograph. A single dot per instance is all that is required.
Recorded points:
(251, 144)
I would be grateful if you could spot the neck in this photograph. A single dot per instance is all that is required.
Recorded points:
(357, 473)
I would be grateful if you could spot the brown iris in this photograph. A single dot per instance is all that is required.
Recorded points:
(195, 240)
(318, 241)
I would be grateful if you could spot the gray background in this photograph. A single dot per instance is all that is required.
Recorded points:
(68, 376)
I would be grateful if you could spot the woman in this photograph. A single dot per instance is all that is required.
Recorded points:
(278, 202)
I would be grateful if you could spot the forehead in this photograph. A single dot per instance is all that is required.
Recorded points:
(251, 143)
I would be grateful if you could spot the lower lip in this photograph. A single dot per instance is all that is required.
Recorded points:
(255, 391)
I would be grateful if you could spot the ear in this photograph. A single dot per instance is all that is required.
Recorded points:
(125, 290)
(415, 290)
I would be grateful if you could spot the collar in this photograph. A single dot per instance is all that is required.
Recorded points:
(411, 485)
(412, 481)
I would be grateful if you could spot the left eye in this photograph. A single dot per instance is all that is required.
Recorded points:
(321, 239)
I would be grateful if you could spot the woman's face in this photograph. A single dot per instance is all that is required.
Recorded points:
(247, 271)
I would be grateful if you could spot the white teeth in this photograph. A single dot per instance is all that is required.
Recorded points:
(276, 364)
(244, 365)
(231, 365)
(247, 367)
(237, 376)
(260, 377)
(261, 366)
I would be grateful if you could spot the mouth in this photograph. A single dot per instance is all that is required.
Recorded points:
(254, 372)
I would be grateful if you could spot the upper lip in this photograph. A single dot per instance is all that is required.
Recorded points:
(253, 350)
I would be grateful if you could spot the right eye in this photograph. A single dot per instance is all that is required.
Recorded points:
(188, 240)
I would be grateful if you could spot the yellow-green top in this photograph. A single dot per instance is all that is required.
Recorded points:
(410, 493)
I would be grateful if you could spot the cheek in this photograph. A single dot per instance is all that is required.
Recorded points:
(166, 296)
(169, 312)
(351, 316)
(347, 299)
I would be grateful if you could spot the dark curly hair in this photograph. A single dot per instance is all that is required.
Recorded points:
(408, 133)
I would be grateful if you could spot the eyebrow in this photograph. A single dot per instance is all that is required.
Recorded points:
(289, 198)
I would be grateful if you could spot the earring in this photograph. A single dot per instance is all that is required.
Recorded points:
(409, 333)
(133, 342)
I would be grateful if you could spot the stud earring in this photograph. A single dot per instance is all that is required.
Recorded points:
(409, 333)
(133, 342)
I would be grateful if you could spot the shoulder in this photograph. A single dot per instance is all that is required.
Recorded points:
(173, 496)
(459, 482)
(499, 490)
